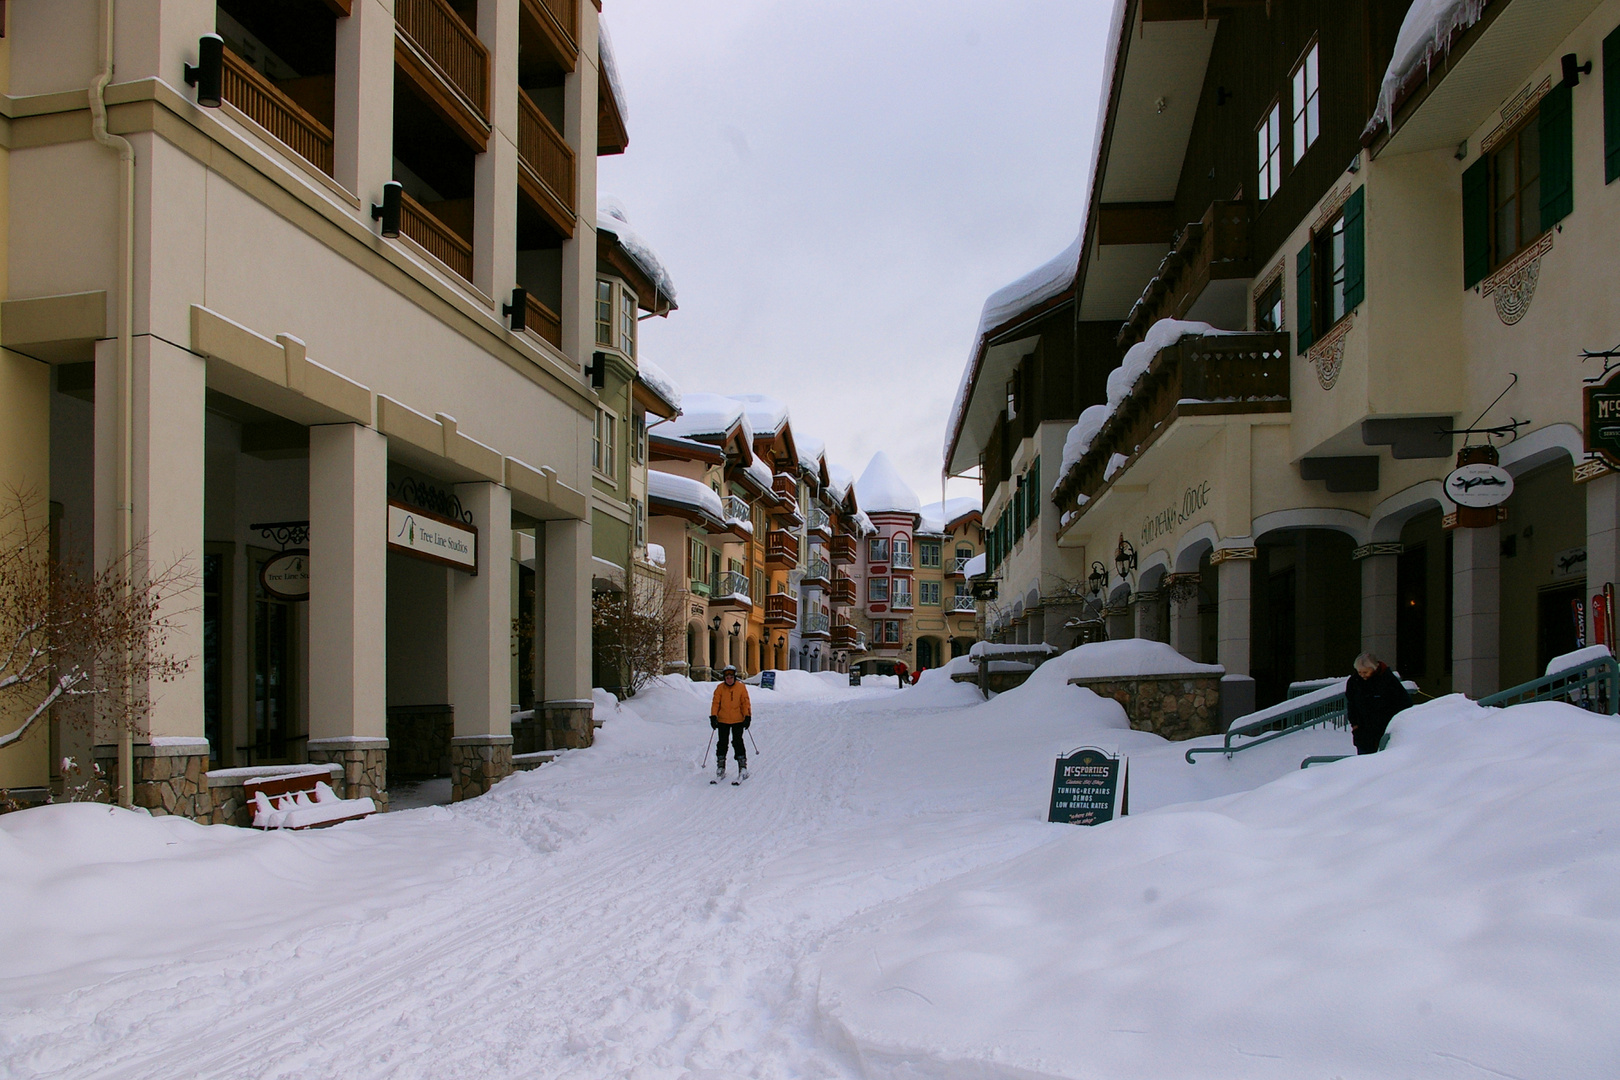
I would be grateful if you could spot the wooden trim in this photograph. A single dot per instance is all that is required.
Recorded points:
(558, 28)
(263, 102)
(1136, 223)
(548, 171)
(450, 44)
(437, 92)
(542, 321)
(436, 238)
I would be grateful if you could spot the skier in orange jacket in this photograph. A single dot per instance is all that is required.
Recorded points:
(730, 713)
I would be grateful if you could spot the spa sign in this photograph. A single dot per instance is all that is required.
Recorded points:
(1089, 787)
(423, 535)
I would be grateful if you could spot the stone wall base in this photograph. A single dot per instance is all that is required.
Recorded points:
(365, 766)
(478, 763)
(1174, 706)
(556, 725)
(169, 778)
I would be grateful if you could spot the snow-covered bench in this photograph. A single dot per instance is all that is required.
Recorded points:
(301, 800)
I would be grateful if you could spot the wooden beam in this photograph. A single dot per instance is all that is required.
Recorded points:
(1136, 223)
(1195, 10)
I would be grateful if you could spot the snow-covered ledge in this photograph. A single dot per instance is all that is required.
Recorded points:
(1160, 690)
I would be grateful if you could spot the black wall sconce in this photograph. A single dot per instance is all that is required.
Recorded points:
(387, 211)
(209, 70)
(714, 624)
(1573, 71)
(518, 309)
(1098, 579)
(598, 370)
(1124, 559)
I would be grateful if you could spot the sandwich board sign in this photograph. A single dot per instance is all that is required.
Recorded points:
(1089, 786)
(767, 680)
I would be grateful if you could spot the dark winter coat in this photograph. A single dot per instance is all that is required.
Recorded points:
(1370, 703)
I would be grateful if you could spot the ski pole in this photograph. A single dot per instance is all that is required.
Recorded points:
(706, 748)
(751, 739)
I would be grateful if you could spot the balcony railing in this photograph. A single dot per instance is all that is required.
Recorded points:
(843, 549)
(902, 601)
(546, 154)
(781, 609)
(963, 602)
(959, 565)
(818, 523)
(442, 242)
(843, 591)
(816, 624)
(818, 571)
(434, 27)
(901, 560)
(1211, 249)
(563, 13)
(547, 324)
(786, 487)
(843, 636)
(266, 105)
(734, 508)
(781, 549)
(730, 585)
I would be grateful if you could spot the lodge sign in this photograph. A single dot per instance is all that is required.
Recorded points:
(416, 532)
(1603, 421)
(1479, 485)
(1174, 515)
(286, 576)
(1089, 787)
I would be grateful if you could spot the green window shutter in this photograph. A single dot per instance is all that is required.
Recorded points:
(1476, 195)
(1355, 249)
(1035, 490)
(1557, 156)
(1302, 278)
(1611, 107)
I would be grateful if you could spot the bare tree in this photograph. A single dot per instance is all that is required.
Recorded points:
(88, 645)
(636, 632)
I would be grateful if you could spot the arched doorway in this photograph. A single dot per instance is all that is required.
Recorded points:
(753, 653)
(928, 653)
(1305, 609)
(693, 660)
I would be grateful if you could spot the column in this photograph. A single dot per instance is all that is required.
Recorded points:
(166, 481)
(348, 605)
(1235, 589)
(1476, 610)
(567, 629)
(579, 253)
(363, 127)
(495, 170)
(1379, 567)
(1148, 616)
(1185, 635)
(480, 635)
(1602, 539)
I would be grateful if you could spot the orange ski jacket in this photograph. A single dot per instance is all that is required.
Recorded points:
(731, 704)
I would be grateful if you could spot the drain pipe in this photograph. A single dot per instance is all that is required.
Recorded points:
(124, 528)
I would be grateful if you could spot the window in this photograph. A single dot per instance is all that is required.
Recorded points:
(963, 551)
(902, 551)
(759, 585)
(604, 313)
(1330, 260)
(605, 444)
(902, 592)
(1515, 193)
(697, 561)
(1330, 272)
(928, 554)
(877, 590)
(1521, 188)
(1611, 107)
(1012, 400)
(1268, 308)
(639, 514)
(877, 549)
(1269, 139)
(1033, 493)
(1307, 103)
(627, 322)
(638, 437)
(928, 593)
(891, 632)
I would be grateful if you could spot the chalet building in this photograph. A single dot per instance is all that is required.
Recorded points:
(888, 566)
(810, 639)
(303, 296)
(949, 535)
(1335, 273)
(848, 525)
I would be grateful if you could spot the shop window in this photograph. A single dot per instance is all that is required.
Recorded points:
(1307, 111)
(1331, 271)
(1268, 139)
(1519, 190)
(1268, 308)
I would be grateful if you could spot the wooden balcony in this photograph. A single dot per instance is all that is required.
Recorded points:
(542, 322)
(843, 550)
(816, 625)
(843, 636)
(843, 591)
(817, 574)
(440, 241)
(1215, 248)
(1197, 376)
(781, 609)
(558, 23)
(729, 592)
(267, 105)
(785, 486)
(546, 169)
(818, 525)
(781, 550)
(444, 57)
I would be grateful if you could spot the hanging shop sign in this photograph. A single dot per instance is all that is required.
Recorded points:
(1603, 420)
(1479, 485)
(1089, 786)
(424, 535)
(286, 576)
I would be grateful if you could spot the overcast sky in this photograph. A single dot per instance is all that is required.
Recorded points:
(836, 186)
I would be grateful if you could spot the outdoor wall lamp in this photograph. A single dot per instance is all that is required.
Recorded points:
(736, 628)
(518, 309)
(208, 72)
(1572, 71)
(1124, 558)
(714, 624)
(387, 211)
(598, 370)
(780, 641)
(1098, 578)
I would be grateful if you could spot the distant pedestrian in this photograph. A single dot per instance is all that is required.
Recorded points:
(1372, 697)
(915, 675)
(900, 673)
(730, 713)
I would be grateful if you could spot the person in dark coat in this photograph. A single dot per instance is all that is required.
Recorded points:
(1372, 697)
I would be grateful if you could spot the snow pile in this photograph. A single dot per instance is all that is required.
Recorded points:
(611, 218)
(760, 473)
(1426, 36)
(937, 517)
(880, 490)
(1116, 462)
(986, 648)
(705, 414)
(1432, 910)
(658, 381)
(976, 566)
(1122, 380)
(685, 491)
(1127, 658)
(655, 554)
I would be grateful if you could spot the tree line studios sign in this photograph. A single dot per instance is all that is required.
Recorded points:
(1090, 786)
(424, 535)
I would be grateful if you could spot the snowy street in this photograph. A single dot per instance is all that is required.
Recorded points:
(870, 903)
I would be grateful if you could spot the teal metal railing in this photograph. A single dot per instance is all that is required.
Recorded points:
(1323, 706)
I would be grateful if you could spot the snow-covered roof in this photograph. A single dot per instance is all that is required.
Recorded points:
(1426, 35)
(611, 218)
(864, 523)
(659, 382)
(812, 452)
(761, 474)
(610, 68)
(684, 491)
(881, 489)
(838, 481)
(766, 415)
(704, 414)
(937, 517)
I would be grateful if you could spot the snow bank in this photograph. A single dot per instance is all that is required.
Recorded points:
(881, 489)
(1432, 911)
(1426, 36)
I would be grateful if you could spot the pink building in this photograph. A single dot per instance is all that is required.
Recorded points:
(887, 567)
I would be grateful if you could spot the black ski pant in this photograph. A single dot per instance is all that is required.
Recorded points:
(736, 736)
